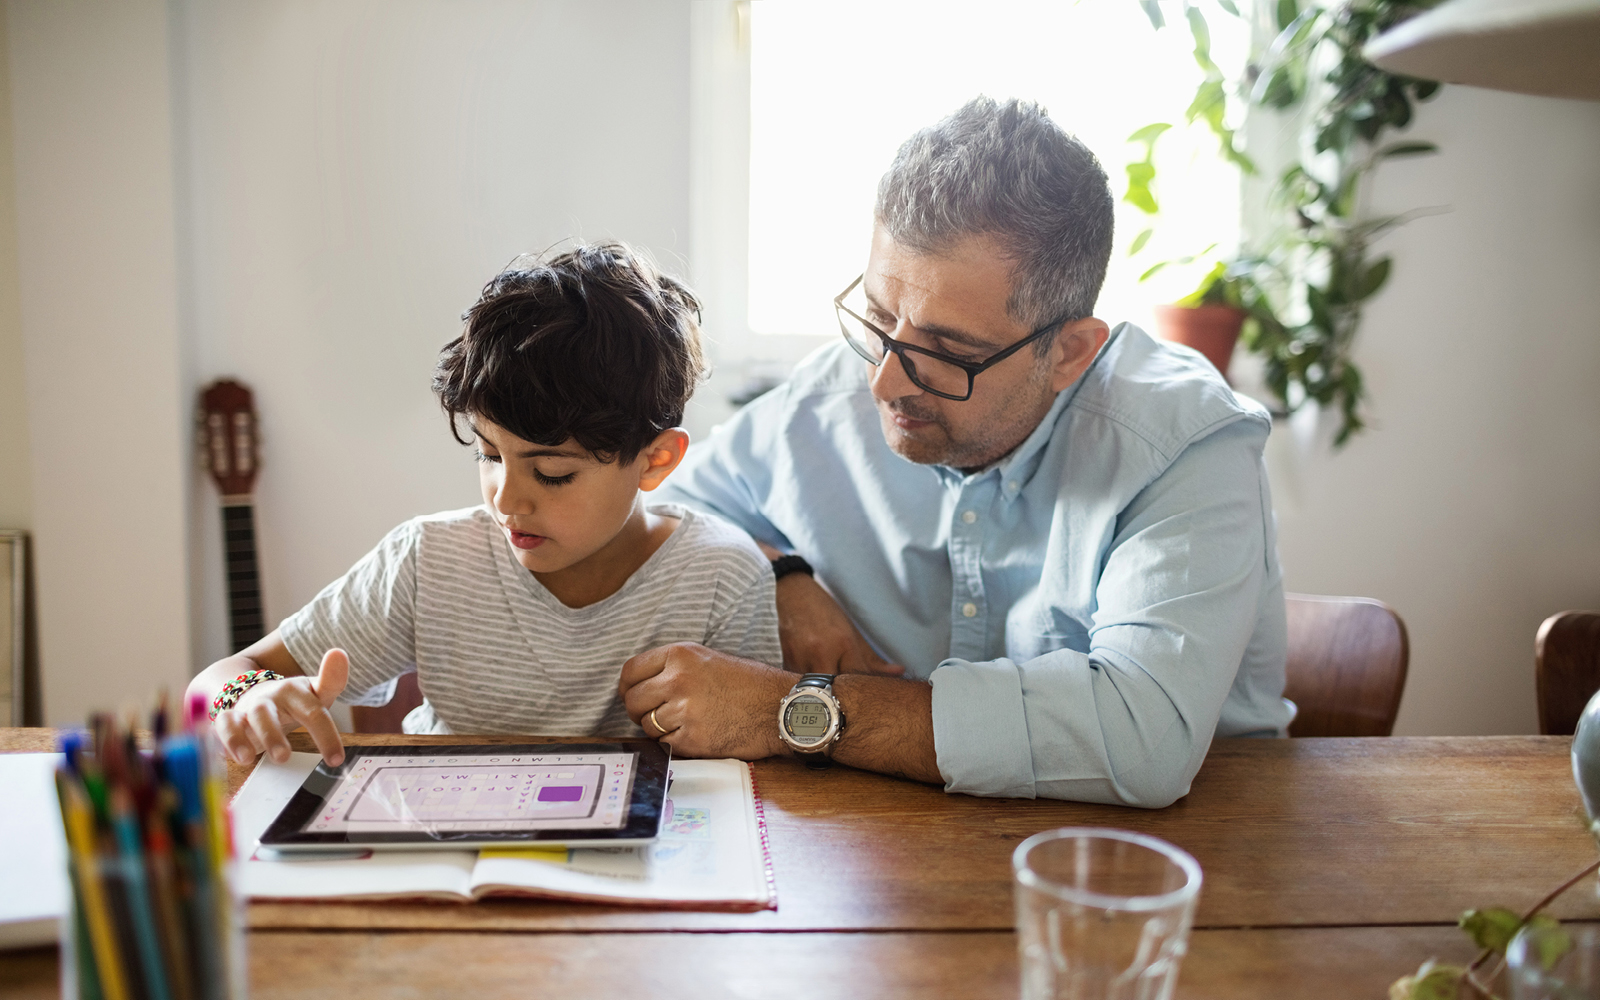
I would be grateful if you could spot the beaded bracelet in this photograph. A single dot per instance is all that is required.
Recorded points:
(234, 690)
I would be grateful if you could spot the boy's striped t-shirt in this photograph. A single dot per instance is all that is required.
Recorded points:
(495, 652)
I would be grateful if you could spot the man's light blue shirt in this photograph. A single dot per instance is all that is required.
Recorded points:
(1090, 610)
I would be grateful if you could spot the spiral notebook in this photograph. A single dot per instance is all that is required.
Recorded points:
(713, 853)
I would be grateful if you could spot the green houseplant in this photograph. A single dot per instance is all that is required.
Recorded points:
(1300, 289)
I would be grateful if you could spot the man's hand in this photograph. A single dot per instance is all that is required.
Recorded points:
(818, 637)
(705, 703)
(258, 722)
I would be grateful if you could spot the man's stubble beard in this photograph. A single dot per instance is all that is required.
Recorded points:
(986, 444)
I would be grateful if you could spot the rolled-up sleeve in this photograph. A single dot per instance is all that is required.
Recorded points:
(1130, 721)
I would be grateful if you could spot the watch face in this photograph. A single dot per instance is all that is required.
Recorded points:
(807, 719)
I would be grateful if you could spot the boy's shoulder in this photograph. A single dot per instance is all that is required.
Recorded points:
(702, 535)
(468, 526)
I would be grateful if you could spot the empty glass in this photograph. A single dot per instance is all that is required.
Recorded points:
(1102, 914)
(1560, 963)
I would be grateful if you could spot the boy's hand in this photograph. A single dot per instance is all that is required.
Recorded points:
(708, 704)
(818, 637)
(258, 722)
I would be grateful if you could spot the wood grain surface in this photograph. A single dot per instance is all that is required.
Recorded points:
(1307, 963)
(1308, 832)
(1332, 867)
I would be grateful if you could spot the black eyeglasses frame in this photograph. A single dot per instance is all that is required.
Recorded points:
(899, 350)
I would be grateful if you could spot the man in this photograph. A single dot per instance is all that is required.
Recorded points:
(1056, 540)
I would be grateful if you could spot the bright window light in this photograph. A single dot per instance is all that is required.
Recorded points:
(837, 85)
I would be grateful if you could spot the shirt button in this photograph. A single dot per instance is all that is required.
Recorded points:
(969, 516)
(969, 609)
(1012, 486)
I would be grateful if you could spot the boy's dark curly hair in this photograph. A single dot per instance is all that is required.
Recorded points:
(596, 345)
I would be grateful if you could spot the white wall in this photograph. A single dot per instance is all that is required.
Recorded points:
(1473, 503)
(16, 482)
(305, 196)
(356, 172)
(98, 289)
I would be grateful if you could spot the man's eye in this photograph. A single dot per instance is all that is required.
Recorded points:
(554, 480)
(480, 456)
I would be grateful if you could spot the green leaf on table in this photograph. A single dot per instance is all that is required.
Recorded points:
(1492, 928)
(1431, 982)
(1139, 241)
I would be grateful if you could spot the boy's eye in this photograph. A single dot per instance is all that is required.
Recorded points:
(480, 456)
(554, 480)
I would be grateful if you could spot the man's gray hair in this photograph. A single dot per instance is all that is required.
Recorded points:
(1010, 172)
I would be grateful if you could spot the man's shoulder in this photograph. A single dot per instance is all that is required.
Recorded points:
(1166, 396)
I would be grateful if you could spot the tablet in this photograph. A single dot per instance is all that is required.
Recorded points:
(466, 797)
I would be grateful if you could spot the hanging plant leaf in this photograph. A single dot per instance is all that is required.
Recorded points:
(1139, 241)
(1152, 10)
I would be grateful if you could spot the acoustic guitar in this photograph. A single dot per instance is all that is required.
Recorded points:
(229, 451)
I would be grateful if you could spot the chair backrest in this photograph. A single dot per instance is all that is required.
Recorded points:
(387, 718)
(1566, 656)
(1347, 665)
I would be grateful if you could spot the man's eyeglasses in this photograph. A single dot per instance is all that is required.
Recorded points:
(931, 371)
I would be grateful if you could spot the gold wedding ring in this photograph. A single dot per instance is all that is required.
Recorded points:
(657, 722)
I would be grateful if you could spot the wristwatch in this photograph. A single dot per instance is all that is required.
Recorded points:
(810, 720)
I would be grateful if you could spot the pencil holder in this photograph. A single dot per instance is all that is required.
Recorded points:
(153, 914)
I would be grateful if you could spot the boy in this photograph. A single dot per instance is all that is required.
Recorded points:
(570, 377)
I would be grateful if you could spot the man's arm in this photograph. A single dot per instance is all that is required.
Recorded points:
(714, 705)
(1129, 722)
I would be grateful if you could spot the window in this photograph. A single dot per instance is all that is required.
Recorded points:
(837, 85)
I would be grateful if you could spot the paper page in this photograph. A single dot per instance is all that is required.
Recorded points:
(709, 850)
(33, 852)
(381, 874)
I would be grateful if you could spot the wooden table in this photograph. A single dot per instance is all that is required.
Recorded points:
(1332, 867)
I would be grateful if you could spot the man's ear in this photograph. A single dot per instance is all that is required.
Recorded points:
(661, 456)
(1074, 349)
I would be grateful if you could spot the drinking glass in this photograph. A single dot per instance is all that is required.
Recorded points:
(1555, 963)
(1102, 914)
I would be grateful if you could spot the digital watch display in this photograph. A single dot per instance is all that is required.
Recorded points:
(810, 719)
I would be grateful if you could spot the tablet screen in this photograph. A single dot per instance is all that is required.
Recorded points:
(434, 795)
(572, 791)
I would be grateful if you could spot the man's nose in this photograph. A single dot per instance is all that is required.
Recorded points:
(889, 380)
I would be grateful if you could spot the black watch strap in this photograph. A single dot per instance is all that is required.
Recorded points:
(784, 565)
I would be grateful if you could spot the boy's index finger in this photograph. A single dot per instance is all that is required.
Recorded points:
(642, 667)
(319, 724)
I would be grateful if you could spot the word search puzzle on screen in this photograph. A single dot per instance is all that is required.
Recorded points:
(404, 795)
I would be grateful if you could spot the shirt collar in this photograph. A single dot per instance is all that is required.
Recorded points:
(1018, 467)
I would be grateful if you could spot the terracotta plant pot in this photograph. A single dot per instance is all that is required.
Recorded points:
(1211, 330)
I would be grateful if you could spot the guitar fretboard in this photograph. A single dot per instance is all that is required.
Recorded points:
(245, 617)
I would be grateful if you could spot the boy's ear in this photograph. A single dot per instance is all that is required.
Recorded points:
(662, 456)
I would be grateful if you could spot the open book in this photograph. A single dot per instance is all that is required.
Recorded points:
(711, 855)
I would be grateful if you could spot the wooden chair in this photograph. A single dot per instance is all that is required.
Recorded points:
(387, 718)
(1566, 656)
(1347, 665)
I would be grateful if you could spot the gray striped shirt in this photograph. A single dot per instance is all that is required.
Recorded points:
(495, 652)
